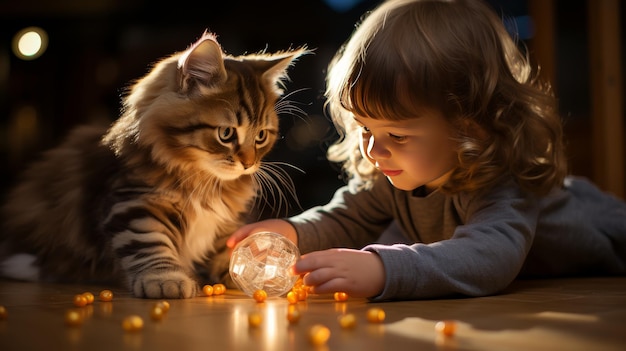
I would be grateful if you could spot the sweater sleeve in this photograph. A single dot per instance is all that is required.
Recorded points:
(483, 256)
(351, 219)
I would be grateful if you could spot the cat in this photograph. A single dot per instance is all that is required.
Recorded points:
(150, 200)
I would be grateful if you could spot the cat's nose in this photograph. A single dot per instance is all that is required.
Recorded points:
(247, 158)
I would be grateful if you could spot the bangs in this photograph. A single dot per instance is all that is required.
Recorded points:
(383, 91)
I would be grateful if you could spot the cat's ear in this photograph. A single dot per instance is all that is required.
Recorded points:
(274, 68)
(202, 63)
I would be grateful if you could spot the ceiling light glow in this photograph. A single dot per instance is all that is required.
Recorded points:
(30, 43)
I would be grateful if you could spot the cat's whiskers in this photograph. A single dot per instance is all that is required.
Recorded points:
(263, 183)
(199, 182)
(284, 106)
(182, 182)
(210, 187)
(269, 178)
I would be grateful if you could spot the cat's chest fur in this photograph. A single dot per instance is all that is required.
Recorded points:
(207, 224)
(199, 218)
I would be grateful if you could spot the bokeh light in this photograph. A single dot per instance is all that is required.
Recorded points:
(30, 43)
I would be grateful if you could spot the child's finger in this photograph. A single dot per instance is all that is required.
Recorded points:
(308, 263)
(237, 236)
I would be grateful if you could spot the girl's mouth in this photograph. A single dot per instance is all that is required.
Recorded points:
(391, 173)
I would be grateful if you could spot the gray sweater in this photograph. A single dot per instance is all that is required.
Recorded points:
(473, 245)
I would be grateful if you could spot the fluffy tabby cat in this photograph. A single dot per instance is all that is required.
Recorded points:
(151, 200)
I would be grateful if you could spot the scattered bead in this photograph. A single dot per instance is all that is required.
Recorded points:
(255, 319)
(157, 313)
(259, 295)
(164, 305)
(80, 300)
(292, 297)
(302, 294)
(3, 313)
(347, 321)
(219, 289)
(299, 291)
(106, 295)
(319, 334)
(446, 328)
(340, 296)
(207, 290)
(89, 296)
(132, 323)
(73, 318)
(293, 315)
(375, 315)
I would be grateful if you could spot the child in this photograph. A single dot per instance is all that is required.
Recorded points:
(445, 130)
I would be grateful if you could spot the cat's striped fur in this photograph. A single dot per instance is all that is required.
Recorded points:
(151, 200)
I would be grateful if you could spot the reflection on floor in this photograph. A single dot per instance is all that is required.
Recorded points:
(560, 314)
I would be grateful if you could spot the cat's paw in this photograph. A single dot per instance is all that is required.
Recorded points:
(161, 285)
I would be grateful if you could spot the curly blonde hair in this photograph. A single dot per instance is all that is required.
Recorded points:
(457, 57)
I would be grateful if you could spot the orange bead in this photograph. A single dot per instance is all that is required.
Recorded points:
(319, 334)
(219, 289)
(446, 328)
(132, 323)
(347, 321)
(292, 297)
(259, 295)
(293, 316)
(73, 318)
(375, 315)
(207, 290)
(89, 296)
(299, 281)
(157, 313)
(255, 319)
(302, 294)
(106, 295)
(164, 305)
(3, 313)
(80, 300)
(340, 296)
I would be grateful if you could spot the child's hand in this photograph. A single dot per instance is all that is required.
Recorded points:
(358, 273)
(271, 225)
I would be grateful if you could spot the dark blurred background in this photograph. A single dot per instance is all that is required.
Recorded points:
(96, 48)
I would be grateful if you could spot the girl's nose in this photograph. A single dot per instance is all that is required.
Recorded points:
(377, 150)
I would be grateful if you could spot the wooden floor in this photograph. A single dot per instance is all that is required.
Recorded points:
(566, 314)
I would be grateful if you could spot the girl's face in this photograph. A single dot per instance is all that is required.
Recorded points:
(410, 153)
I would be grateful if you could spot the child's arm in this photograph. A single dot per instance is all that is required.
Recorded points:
(483, 256)
(352, 219)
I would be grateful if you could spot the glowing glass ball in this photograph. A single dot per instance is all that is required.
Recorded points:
(263, 261)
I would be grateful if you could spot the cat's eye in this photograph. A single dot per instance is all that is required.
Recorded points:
(226, 134)
(261, 138)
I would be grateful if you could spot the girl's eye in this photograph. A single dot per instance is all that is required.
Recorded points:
(365, 130)
(226, 134)
(261, 137)
(397, 137)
